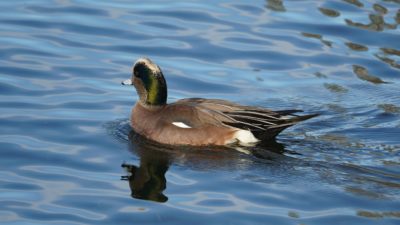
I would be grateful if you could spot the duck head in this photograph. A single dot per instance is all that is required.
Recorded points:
(149, 82)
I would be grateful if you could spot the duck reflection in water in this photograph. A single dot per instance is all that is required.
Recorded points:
(147, 181)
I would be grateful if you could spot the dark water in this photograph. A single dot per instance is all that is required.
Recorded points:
(64, 130)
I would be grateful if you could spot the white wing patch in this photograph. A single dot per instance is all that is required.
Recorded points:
(181, 125)
(245, 137)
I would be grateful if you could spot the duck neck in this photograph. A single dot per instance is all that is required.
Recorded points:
(149, 107)
(152, 94)
(156, 95)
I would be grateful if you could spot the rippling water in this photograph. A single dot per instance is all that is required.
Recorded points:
(64, 116)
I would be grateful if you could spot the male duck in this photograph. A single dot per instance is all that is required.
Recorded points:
(197, 121)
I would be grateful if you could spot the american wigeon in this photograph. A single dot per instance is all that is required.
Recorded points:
(197, 121)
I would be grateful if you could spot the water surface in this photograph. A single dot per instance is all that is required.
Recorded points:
(64, 116)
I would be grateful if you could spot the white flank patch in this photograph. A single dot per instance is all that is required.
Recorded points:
(181, 125)
(245, 137)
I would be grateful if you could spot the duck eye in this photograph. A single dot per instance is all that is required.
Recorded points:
(140, 70)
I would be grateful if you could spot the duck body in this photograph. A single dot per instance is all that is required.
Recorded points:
(197, 121)
(179, 124)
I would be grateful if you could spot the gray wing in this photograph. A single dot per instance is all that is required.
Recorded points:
(262, 122)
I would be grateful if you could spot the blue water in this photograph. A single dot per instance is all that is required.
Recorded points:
(68, 155)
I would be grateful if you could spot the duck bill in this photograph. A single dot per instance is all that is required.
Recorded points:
(127, 82)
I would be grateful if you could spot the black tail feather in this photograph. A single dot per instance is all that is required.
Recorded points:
(288, 112)
(271, 132)
(297, 119)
